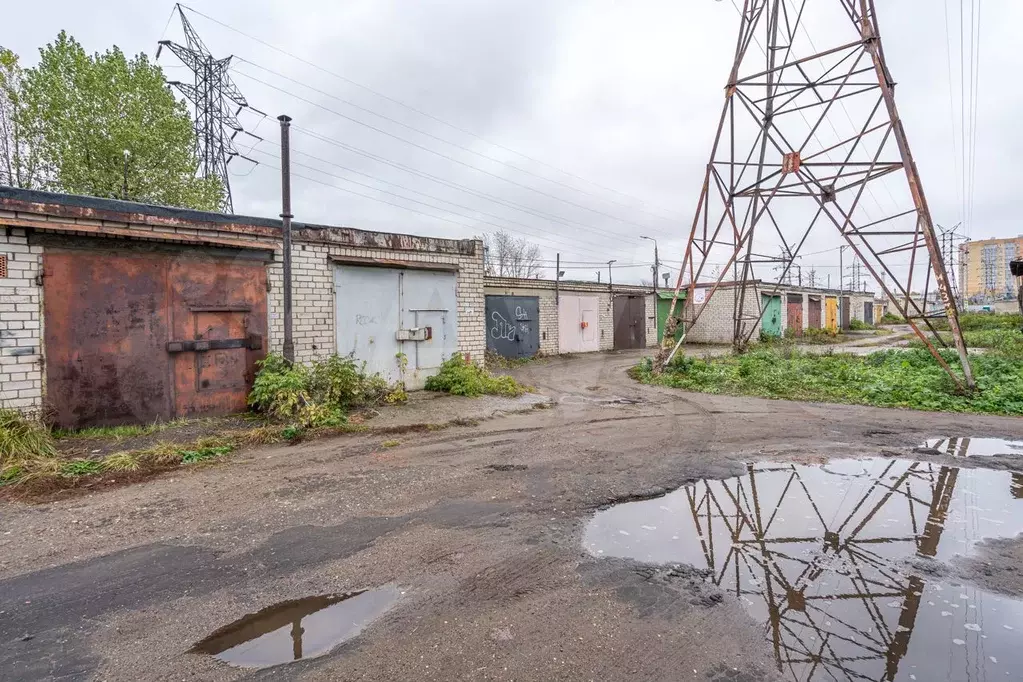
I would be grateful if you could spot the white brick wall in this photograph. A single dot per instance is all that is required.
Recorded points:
(313, 304)
(716, 323)
(651, 321)
(21, 324)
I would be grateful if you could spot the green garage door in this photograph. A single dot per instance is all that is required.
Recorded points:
(771, 322)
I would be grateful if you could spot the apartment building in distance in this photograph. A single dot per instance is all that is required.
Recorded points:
(984, 273)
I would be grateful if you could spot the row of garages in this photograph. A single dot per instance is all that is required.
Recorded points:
(113, 312)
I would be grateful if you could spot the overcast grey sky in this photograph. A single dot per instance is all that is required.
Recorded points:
(624, 94)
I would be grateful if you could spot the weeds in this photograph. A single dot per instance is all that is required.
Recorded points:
(890, 378)
(319, 394)
(390, 443)
(492, 359)
(22, 439)
(860, 326)
(891, 318)
(458, 376)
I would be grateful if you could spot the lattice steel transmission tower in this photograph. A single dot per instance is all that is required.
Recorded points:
(780, 170)
(217, 101)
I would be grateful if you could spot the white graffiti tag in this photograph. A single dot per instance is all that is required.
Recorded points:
(520, 314)
(502, 329)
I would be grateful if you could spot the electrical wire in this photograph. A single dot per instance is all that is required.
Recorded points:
(951, 114)
(552, 242)
(446, 156)
(519, 226)
(438, 120)
(451, 184)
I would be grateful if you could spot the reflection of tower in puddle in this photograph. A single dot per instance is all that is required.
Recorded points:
(815, 635)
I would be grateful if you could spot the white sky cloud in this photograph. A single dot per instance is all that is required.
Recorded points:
(625, 94)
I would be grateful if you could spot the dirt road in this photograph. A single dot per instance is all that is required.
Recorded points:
(479, 528)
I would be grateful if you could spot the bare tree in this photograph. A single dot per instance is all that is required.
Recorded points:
(19, 161)
(508, 256)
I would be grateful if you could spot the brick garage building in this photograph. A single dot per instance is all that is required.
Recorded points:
(116, 312)
(575, 316)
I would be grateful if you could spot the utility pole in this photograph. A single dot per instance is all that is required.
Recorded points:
(289, 342)
(657, 261)
(598, 276)
(610, 284)
(557, 280)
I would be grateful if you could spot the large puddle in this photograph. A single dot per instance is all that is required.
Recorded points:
(297, 629)
(974, 447)
(819, 554)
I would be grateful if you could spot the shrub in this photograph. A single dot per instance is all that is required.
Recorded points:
(891, 318)
(458, 376)
(859, 325)
(317, 395)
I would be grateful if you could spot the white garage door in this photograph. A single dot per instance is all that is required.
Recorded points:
(578, 324)
(377, 305)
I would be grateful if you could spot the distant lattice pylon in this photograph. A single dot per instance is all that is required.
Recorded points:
(780, 169)
(217, 101)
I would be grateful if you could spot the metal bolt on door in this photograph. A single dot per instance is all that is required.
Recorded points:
(512, 326)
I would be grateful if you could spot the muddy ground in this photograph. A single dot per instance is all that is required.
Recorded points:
(479, 527)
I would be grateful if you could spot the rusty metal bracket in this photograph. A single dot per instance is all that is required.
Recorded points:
(251, 342)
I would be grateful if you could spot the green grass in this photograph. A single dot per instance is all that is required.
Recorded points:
(460, 377)
(116, 432)
(890, 378)
(1005, 342)
(157, 457)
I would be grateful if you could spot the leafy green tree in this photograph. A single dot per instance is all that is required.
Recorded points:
(19, 160)
(108, 126)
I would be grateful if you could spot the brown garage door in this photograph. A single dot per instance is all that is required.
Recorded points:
(135, 336)
(629, 322)
(813, 312)
(794, 311)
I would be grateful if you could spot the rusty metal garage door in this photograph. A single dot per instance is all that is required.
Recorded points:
(813, 312)
(135, 336)
(794, 311)
(630, 322)
(513, 326)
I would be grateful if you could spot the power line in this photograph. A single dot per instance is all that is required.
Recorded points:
(454, 185)
(437, 119)
(529, 229)
(414, 129)
(446, 156)
(473, 226)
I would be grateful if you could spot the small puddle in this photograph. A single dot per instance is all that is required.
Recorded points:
(974, 447)
(821, 555)
(297, 629)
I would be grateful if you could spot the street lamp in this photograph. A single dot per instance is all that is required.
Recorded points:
(610, 284)
(657, 261)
